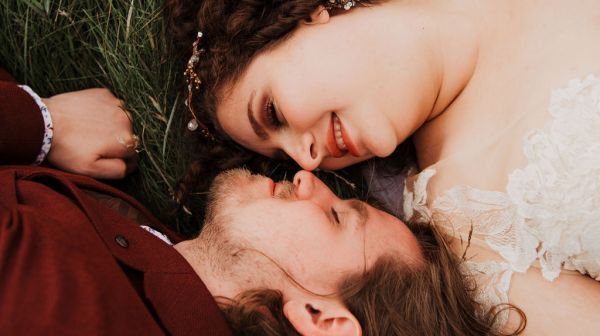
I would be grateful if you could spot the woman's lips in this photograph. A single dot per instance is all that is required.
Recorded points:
(338, 141)
(337, 133)
(332, 146)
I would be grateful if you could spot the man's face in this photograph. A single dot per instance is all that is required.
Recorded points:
(303, 228)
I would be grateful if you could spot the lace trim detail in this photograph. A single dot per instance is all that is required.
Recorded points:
(470, 214)
(48, 127)
(493, 281)
(558, 193)
(492, 278)
(415, 201)
(550, 210)
(157, 234)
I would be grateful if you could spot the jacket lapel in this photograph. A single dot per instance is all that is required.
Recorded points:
(178, 297)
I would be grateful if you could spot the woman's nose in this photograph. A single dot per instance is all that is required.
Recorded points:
(304, 152)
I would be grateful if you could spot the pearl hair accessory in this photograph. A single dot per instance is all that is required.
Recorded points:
(193, 83)
(345, 4)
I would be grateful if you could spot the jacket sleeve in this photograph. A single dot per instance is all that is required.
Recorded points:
(21, 124)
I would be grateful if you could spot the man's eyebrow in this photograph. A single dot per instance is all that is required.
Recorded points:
(256, 127)
(363, 214)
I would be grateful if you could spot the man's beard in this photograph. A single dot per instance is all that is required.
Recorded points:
(219, 247)
(228, 186)
(224, 186)
(216, 246)
(226, 193)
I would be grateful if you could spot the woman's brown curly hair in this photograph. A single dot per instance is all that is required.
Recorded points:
(234, 32)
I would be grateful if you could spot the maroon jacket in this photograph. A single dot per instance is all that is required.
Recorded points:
(72, 261)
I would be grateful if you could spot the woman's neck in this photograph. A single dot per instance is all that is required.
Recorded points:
(457, 32)
(426, 53)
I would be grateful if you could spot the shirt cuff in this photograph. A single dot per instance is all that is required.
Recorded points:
(48, 128)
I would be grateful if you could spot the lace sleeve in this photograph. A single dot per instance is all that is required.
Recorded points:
(493, 281)
(448, 214)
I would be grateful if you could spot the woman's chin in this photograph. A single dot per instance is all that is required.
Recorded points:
(342, 162)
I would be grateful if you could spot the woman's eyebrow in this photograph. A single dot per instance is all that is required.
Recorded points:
(256, 127)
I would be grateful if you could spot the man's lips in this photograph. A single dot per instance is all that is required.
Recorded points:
(332, 143)
(276, 188)
(271, 185)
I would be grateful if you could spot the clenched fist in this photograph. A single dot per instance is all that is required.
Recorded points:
(92, 134)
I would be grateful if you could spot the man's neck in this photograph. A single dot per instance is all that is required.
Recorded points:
(194, 254)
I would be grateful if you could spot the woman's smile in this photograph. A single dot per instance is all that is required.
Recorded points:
(335, 142)
(342, 138)
(326, 102)
(338, 141)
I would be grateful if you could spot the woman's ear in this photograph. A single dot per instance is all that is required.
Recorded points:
(320, 15)
(321, 317)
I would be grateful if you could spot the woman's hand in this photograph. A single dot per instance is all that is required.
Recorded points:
(93, 134)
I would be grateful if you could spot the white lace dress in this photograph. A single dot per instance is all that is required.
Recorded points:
(549, 215)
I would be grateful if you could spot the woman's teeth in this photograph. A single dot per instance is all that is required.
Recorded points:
(337, 128)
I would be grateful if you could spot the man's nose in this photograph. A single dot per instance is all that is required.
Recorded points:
(308, 187)
(304, 184)
(304, 151)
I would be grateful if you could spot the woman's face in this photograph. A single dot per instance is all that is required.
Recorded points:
(330, 96)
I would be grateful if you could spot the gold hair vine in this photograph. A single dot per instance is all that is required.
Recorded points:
(345, 4)
(193, 83)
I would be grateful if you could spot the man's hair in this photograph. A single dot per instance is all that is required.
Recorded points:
(388, 299)
(234, 32)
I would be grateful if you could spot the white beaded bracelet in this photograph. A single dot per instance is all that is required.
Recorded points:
(48, 128)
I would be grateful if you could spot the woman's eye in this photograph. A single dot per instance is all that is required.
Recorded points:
(270, 113)
(335, 216)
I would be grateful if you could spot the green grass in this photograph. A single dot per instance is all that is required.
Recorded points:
(58, 46)
(65, 45)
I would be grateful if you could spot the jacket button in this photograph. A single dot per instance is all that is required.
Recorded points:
(122, 241)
